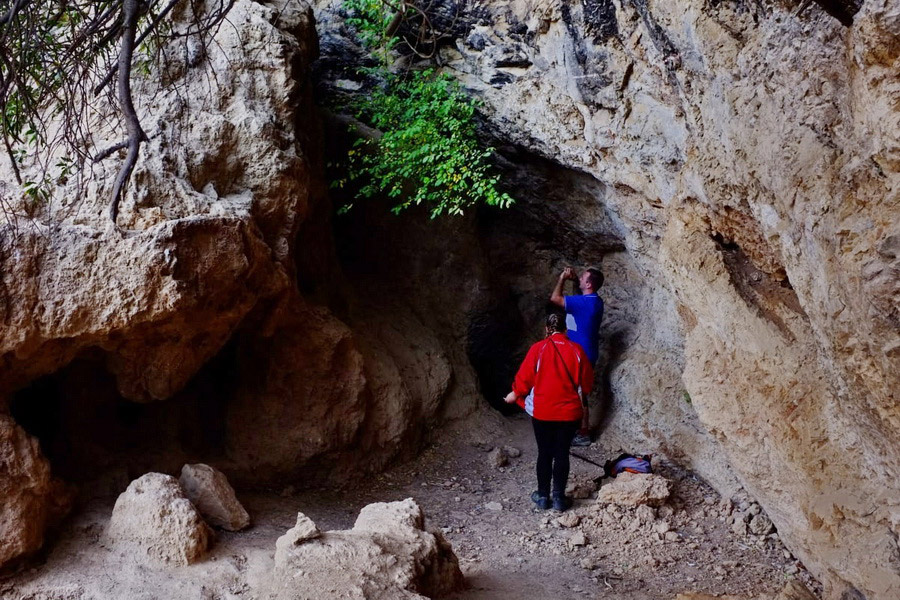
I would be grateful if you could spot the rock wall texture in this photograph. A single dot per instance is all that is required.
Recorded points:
(746, 154)
(217, 325)
(32, 498)
(733, 165)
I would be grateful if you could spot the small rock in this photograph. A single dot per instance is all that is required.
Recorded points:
(512, 451)
(569, 519)
(303, 531)
(761, 525)
(498, 458)
(495, 506)
(208, 489)
(645, 514)
(588, 563)
(577, 540)
(665, 512)
(739, 527)
(583, 490)
(794, 590)
(726, 506)
(662, 527)
(671, 536)
(719, 570)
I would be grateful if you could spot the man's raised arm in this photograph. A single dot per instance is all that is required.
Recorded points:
(556, 297)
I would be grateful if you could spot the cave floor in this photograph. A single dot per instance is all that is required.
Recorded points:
(506, 549)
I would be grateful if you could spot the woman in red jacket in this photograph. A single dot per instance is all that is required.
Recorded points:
(551, 385)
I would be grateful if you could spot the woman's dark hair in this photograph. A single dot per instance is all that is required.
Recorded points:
(556, 322)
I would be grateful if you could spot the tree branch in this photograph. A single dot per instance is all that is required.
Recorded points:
(136, 135)
(150, 28)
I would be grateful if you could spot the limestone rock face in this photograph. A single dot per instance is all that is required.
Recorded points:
(209, 491)
(154, 516)
(634, 489)
(30, 498)
(215, 201)
(387, 554)
(747, 157)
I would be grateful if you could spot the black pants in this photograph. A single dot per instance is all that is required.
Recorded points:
(553, 441)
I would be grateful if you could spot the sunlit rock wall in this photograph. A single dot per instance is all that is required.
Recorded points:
(748, 152)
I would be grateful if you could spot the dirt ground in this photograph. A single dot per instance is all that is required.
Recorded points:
(506, 548)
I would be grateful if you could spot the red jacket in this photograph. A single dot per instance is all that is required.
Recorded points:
(544, 372)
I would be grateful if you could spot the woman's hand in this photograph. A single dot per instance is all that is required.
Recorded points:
(510, 398)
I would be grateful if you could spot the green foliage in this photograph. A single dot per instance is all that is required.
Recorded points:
(428, 151)
(370, 19)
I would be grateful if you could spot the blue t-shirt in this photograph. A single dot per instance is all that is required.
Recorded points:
(583, 315)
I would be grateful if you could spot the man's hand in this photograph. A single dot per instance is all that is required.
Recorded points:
(510, 398)
(556, 296)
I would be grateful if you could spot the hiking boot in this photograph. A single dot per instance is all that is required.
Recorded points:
(540, 500)
(581, 440)
(561, 503)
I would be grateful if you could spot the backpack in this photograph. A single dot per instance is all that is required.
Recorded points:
(632, 463)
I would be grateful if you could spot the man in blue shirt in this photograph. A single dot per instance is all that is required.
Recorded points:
(583, 315)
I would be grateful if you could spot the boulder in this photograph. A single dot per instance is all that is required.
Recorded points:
(30, 498)
(209, 491)
(387, 555)
(154, 515)
(632, 489)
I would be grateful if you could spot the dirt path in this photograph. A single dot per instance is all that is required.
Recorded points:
(506, 548)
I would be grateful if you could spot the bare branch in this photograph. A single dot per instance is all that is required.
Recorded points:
(150, 28)
(103, 155)
(136, 135)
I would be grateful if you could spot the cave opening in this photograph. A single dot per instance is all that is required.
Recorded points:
(100, 441)
(489, 272)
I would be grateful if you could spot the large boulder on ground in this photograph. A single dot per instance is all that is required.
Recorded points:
(388, 554)
(632, 489)
(30, 499)
(154, 515)
(208, 489)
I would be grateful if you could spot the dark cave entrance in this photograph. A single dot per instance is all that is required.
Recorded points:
(94, 437)
(509, 258)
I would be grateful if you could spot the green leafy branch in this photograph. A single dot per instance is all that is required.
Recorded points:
(428, 151)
